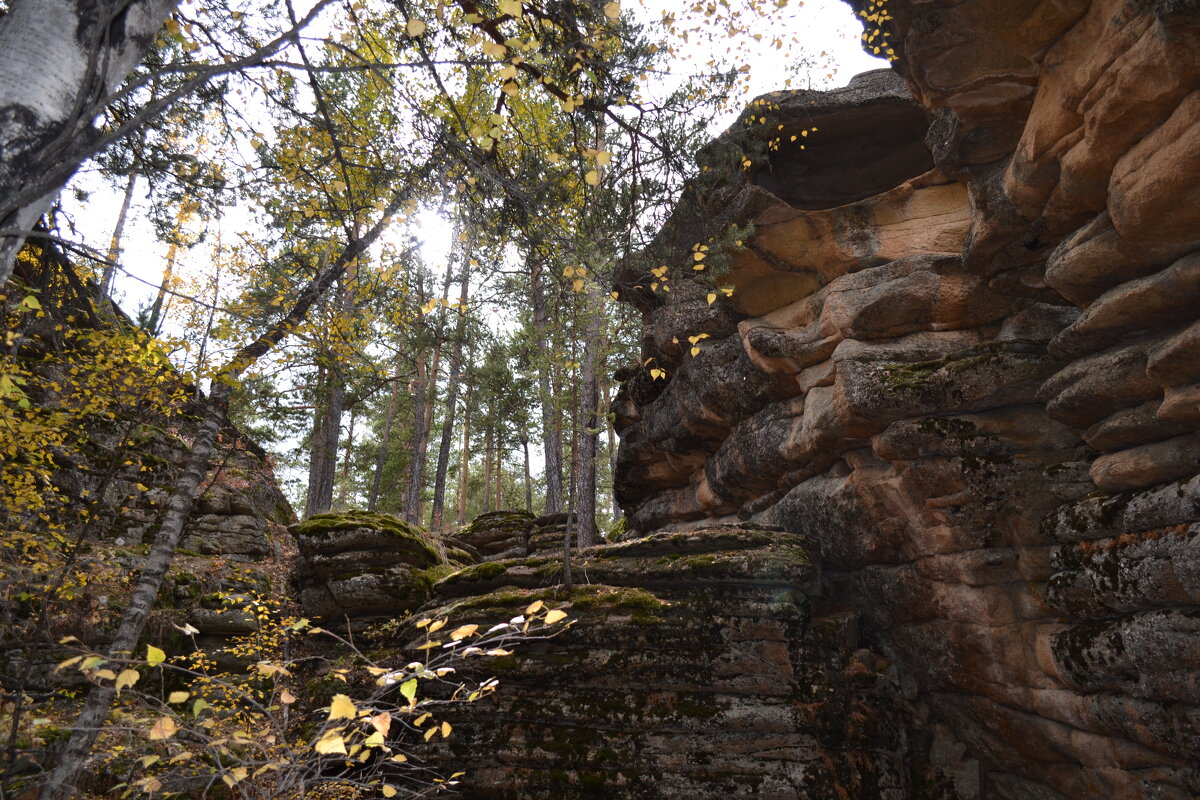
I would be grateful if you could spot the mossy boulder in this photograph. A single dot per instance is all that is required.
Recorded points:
(365, 567)
(498, 534)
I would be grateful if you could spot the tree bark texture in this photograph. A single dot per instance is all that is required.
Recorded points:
(59, 60)
(385, 438)
(465, 459)
(437, 512)
(551, 421)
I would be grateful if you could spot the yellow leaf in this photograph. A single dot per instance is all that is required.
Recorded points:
(415, 28)
(330, 743)
(615, 295)
(437, 626)
(177, 697)
(342, 707)
(382, 722)
(389, 791)
(695, 352)
(429, 734)
(374, 740)
(577, 285)
(163, 728)
(106, 674)
(592, 178)
(286, 697)
(446, 729)
(511, 7)
(68, 662)
(463, 632)
(612, 10)
(419, 721)
(555, 616)
(154, 656)
(534, 607)
(128, 677)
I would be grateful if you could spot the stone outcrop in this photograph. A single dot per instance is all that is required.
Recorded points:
(699, 664)
(973, 383)
(364, 568)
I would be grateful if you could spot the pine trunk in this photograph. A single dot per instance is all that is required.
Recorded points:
(420, 444)
(114, 246)
(437, 512)
(528, 479)
(551, 420)
(385, 438)
(487, 473)
(465, 463)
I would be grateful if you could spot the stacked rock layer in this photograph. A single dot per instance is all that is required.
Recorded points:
(962, 354)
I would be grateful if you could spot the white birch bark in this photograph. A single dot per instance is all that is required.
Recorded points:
(59, 61)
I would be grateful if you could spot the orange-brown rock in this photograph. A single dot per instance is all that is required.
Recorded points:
(977, 384)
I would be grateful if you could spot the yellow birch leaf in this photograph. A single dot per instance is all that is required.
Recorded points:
(389, 791)
(446, 730)
(163, 728)
(154, 656)
(534, 607)
(286, 697)
(592, 178)
(463, 632)
(128, 677)
(415, 28)
(332, 742)
(177, 697)
(555, 616)
(382, 722)
(612, 10)
(342, 707)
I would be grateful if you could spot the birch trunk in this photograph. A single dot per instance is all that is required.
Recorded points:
(59, 61)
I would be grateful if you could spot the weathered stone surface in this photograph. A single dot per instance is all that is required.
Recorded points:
(697, 666)
(993, 442)
(362, 567)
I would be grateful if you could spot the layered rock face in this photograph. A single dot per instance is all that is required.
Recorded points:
(969, 372)
(698, 665)
(359, 568)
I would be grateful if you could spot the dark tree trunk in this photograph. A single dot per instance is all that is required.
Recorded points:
(528, 480)
(443, 463)
(487, 472)
(589, 424)
(385, 438)
(465, 462)
(551, 419)
(114, 247)
(420, 444)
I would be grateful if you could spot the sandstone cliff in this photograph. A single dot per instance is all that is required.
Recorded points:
(962, 356)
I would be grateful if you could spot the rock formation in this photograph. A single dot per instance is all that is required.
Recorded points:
(698, 665)
(962, 355)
